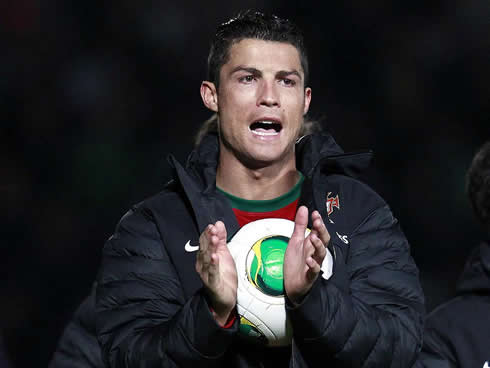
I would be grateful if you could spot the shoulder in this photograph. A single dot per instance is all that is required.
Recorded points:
(460, 313)
(139, 224)
(456, 330)
(358, 193)
(351, 203)
(142, 215)
(141, 229)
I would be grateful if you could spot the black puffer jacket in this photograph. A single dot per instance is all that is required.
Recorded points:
(78, 346)
(151, 310)
(457, 332)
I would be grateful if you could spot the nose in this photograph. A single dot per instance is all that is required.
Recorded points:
(268, 94)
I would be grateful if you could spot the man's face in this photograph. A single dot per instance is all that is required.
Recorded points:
(261, 102)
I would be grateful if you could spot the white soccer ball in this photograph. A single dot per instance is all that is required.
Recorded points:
(258, 250)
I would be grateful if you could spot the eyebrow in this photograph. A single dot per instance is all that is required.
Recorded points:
(250, 70)
(286, 73)
(255, 71)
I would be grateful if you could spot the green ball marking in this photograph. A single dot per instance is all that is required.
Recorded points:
(250, 332)
(267, 265)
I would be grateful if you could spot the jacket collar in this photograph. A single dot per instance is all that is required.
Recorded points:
(315, 155)
(311, 151)
(320, 151)
(475, 277)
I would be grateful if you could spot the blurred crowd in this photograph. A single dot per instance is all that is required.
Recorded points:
(94, 96)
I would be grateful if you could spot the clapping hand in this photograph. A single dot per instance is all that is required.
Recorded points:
(216, 267)
(304, 255)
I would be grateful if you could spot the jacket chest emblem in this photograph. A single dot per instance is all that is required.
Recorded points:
(332, 202)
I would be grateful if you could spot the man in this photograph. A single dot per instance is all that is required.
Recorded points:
(161, 304)
(78, 345)
(456, 332)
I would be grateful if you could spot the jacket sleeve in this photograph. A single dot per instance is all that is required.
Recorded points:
(141, 315)
(370, 312)
(78, 345)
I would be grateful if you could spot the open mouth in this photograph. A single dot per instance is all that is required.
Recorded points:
(265, 127)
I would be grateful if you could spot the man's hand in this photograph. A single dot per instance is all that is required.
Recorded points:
(304, 256)
(216, 267)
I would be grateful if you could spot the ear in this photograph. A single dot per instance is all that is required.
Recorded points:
(307, 100)
(209, 95)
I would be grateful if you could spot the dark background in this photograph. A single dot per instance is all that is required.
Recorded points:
(95, 94)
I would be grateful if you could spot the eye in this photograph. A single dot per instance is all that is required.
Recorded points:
(246, 79)
(288, 82)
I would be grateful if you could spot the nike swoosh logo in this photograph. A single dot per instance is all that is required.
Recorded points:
(190, 248)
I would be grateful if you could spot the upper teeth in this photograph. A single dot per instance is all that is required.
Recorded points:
(266, 122)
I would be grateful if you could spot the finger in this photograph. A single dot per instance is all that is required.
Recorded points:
(201, 266)
(320, 228)
(212, 248)
(213, 271)
(220, 230)
(205, 255)
(205, 238)
(308, 248)
(320, 250)
(314, 268)
(198, 265)
(300, 222)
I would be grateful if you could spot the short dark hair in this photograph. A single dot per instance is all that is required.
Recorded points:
(257, 25)
(478, 185)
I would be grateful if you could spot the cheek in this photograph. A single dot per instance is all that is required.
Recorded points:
(228, 106)
(296, 108)
(240, 96)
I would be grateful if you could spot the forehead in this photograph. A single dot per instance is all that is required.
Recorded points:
(262, 54)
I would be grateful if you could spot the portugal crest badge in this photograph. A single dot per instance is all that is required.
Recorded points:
(332, 202)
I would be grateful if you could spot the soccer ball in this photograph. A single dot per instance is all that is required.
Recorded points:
(258, 249)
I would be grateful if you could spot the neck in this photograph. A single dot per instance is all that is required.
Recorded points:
(263, 183)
